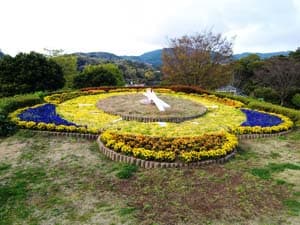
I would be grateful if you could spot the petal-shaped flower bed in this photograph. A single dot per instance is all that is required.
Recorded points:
(45, 113)
(188, 149)
(256, 118)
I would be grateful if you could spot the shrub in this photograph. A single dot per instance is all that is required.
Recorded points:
(6, 126)
(296, 100)
(96, 76)
(26, 73)
(188, 89)
(267, 94)
(10, 104)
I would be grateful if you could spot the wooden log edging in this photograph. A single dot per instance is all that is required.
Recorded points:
(68, 134)
(115, 156)
(147, 119)
(254, 136)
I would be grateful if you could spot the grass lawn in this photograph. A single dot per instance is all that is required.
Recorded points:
(55, 180)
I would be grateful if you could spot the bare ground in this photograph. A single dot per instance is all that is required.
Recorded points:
(53, 180)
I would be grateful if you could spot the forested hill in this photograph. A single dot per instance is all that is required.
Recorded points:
(154, 58)
(261, 55)
(1, 54)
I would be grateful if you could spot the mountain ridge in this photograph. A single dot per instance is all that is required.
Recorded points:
(154, 57)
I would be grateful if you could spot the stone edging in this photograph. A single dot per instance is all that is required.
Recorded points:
(115, 156)
(254, 136)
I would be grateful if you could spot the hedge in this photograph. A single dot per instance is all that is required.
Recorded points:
(10, 104)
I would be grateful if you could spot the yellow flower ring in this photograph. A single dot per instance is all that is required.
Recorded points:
(220, 117)
(209, 136)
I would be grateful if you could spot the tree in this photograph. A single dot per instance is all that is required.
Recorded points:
(93, 76)
(68, 63)
(243, 72)
(113, 68)
(29, 73)
(280, 73)
(202, 59)
(110, 67)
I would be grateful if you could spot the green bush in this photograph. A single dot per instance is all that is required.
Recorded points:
(9, 104)
(296, 100)
(245, 100)
(6, 127)
(268, 94)
(27, 73)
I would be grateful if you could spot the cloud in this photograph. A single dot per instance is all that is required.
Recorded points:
(136, 26)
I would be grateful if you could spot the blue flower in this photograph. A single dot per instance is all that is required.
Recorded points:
(255, 118)
(46, 114)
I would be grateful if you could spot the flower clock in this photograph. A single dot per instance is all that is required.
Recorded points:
(196, 128)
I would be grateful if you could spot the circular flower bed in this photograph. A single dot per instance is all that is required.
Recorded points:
(129, 107)
(210, 136)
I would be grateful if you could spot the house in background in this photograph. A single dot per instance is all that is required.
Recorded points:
(229, 89)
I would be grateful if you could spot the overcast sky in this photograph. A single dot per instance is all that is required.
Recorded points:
(133, 27)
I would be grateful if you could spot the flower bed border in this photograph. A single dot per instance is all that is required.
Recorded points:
(63, 134)
(115, 156)
(254, 136)
(146, 119)
(154, 164)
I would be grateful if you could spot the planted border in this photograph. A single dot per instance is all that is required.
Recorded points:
(154, 164)
(187, 153)
(188, 149)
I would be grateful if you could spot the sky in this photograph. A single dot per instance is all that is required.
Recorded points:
(132, 27)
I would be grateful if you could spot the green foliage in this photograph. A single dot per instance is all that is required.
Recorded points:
(99, 75)
(296, 100)
(127, 171)
(6, 127)
(27, 73)
(267, 94)
(10, 104)
(244, 72)
(116, 71)
(68, 63)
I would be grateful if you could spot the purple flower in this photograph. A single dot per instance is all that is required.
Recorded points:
(46, 114)
(255, 118)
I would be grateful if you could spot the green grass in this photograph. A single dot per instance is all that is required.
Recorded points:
(293, 206)
(126, 211)
(14, 193)
(126, 171)
(69, 181)
(4, 166)
(266, 172)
